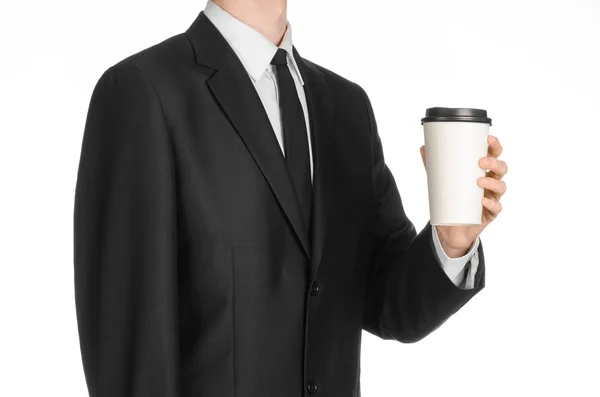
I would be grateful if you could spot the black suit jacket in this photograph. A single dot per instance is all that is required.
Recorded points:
(193, 273)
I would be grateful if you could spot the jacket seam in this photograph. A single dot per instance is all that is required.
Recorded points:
(173, 168)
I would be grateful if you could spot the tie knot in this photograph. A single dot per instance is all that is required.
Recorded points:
(280, 57)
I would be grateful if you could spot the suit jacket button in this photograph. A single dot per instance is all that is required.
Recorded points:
(315, 288)
(313, 388)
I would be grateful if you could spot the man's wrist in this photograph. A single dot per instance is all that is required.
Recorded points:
(451, 252)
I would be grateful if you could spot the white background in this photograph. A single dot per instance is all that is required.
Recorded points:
(534, 65)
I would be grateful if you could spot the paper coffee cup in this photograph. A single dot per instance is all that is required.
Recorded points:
(455, 140)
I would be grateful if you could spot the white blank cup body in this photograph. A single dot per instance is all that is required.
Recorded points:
(452, 153)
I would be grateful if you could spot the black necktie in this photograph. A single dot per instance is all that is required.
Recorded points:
(295, 140)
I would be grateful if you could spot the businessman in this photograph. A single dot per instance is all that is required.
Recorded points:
(236, 227)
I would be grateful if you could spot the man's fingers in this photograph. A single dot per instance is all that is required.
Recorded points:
(494, 206)
(494, 146)
(495, 165)
(496, 186)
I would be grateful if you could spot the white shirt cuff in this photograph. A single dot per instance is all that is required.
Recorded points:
(455, 267)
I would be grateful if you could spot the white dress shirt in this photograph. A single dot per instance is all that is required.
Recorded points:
(255, 52)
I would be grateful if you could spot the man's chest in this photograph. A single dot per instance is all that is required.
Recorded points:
(232, 175)
(269, 94)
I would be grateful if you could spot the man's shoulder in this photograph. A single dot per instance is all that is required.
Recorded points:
(160, 59)
(173, 50)
(346, 92)
(341, 86)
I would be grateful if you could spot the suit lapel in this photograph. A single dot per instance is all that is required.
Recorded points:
(234, 91)
(320, 109)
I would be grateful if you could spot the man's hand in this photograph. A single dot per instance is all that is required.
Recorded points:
(456, 240)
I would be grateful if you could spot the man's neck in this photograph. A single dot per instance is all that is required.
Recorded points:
(269, 17)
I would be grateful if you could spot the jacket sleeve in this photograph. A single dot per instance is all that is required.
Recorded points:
(408, 293)
(125, 258)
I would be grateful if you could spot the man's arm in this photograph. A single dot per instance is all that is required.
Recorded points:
(125, 242)
(455, 267)
(408, 294)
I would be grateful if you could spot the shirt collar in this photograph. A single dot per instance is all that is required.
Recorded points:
(253, 49)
